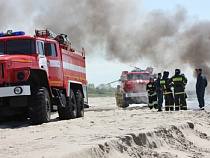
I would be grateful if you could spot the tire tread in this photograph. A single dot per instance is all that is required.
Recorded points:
(37, 111)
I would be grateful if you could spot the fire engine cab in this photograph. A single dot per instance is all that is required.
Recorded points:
(134, 84)
(40, 74)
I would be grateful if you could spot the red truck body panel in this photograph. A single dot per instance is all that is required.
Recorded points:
(68, 64)
(40, 74)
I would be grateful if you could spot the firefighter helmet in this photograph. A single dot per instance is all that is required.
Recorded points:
(151, 79)
(177, 71)
(165, 73)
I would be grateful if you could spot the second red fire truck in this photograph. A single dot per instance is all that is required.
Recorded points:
(134, 84)
(39, 74)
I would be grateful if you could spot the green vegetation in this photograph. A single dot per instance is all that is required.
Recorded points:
(103, 90)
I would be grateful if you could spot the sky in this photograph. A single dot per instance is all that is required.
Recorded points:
(100, 70)
(119, 35)
(196, 8)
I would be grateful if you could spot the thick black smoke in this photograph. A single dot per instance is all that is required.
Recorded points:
(196, 50)
(167, 40)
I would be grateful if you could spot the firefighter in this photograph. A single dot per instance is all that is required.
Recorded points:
(151, 94)
(185, 92)
(200, 87)
(119, 96)
(179, 82)
(168, 95)
(159, 92)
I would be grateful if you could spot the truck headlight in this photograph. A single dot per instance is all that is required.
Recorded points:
(18, 90)
(25, 71)
(20, 76)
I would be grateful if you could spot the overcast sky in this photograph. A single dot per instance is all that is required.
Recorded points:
(108, 31)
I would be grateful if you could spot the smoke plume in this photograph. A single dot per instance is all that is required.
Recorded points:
(167, 39)
(196, 51)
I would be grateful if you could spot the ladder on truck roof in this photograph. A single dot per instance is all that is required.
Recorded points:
(45, 34)
(62, 39)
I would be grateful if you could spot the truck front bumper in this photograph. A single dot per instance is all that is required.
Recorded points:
(15, 91)
(140, 94)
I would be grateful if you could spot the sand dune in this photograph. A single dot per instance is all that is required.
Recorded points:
(110, 132)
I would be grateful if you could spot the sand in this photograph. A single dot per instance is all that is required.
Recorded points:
(111, 132)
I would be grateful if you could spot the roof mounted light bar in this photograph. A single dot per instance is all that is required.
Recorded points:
(11, 33)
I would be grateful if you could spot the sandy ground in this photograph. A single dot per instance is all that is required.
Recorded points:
(111, 132)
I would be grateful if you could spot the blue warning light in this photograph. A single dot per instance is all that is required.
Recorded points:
(11, 33)
(1, 34)
(19, 33)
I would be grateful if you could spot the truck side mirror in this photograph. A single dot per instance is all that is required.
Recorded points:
(123, 78)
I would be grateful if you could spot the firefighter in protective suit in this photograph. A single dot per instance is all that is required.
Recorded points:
(119, 96)
(168, 95)
(152, 96)
(179, 82)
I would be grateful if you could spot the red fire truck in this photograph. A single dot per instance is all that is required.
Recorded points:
(40, 74)
(134, 84)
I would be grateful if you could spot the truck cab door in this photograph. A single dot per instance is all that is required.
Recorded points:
(54, 64)
(41, 56)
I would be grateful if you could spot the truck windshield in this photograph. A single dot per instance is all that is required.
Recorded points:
(1, 47)
(142, 76)
(20, 46)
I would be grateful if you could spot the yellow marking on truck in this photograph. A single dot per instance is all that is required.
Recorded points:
(58, 82)
(22, 60)
(75, 77)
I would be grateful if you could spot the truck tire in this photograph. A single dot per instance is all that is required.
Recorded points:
(39, 106)
(70, 110)
(80, 103)
(125, 102)
(86, 106)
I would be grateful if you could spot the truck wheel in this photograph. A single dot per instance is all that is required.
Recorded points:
(125, 102)
(39, 106)
(80, 104)
(86, 106)
(70, 110)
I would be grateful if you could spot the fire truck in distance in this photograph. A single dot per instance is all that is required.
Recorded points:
(40, 74)
(134, 84)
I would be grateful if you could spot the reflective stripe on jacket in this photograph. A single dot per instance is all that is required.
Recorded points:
(150, 89)
(164, 82)
(179, 82)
